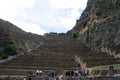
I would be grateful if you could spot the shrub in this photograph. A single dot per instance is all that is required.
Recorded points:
(10, 49)
(94, 24)
(3, 55)
(98, 42)
(75, 35)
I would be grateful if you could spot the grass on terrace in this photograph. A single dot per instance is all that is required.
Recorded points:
(116, 66)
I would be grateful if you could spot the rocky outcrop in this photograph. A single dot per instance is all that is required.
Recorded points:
(99, 26)
(96, 10)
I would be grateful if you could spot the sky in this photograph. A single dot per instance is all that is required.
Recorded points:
(42, 16)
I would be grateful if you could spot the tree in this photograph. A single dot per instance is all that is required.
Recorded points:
(75, 35)
(10, 49)
(3, 55)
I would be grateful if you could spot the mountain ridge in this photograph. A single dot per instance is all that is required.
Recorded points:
(21, 39)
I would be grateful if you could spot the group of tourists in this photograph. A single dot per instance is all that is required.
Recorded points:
(50, 75)
(89, 72)
(39, 73)
(75, 73)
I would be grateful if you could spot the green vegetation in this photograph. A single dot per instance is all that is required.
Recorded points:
(16, 76)
(75, 35)
(9, 50)
(98, 42)
(94, 24)
(117, 66)
(2, 55)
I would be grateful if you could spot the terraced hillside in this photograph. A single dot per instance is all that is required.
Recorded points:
(41, 58)
(98, 42)
(54, 53)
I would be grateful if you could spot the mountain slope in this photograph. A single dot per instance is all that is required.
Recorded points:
(21, 39)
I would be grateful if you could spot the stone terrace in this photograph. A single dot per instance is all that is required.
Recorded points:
(58, 52)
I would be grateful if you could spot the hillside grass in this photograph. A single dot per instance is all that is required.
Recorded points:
(15, 76)
(105, 67)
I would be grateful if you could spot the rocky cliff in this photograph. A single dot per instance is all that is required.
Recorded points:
(99, 26)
